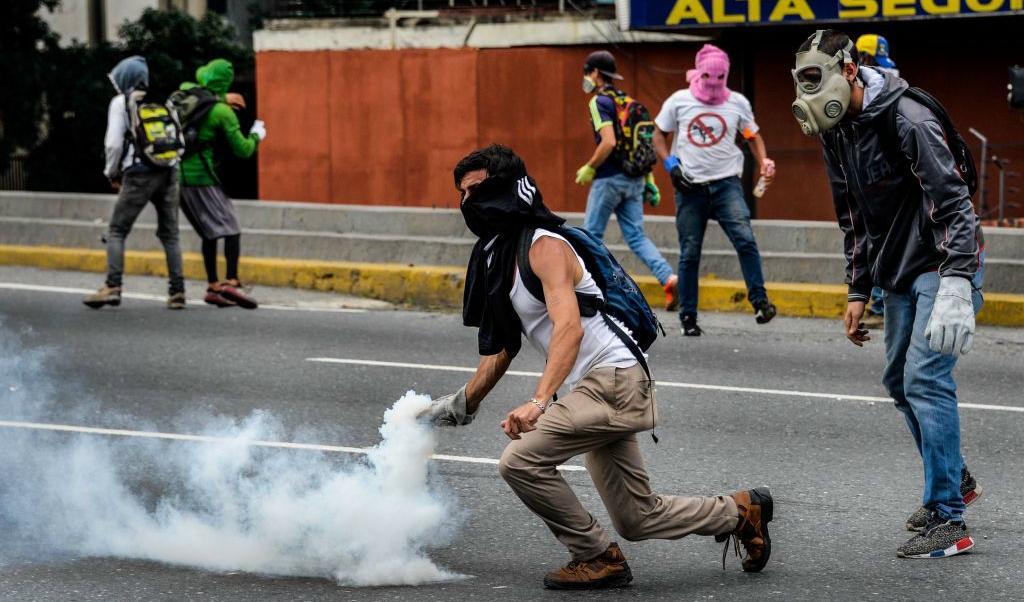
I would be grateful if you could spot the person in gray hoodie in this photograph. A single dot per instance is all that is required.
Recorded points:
(137, 184)
(905, 209)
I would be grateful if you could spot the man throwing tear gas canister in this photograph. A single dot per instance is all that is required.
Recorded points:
(901, 179)
(530, 275)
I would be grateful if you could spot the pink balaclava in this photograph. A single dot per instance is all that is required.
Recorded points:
(714, 62)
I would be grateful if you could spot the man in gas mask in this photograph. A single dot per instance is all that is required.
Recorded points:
(610, 396)
(910, 228)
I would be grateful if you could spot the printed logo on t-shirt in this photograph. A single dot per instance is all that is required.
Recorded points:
(706, 129)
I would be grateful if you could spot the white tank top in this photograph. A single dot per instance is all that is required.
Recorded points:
(600, 346)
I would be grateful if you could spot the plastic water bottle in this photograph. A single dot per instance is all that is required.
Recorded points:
(760, 187)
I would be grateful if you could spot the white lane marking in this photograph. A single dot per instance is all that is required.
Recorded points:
(91, 430)
(661, 383)
(42, 288)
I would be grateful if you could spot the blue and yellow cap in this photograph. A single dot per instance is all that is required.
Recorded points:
(877, 48)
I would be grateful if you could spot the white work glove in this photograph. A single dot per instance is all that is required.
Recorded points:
(259, 128)
(449, 410)
(950, 329)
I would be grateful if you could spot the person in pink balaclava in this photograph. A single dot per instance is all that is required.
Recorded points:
(705, 165)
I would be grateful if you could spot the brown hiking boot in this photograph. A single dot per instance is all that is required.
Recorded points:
(107, 295)
(607, 570)
(756, 508)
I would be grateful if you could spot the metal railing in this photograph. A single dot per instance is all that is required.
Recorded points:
(353, 9)
(14, 177)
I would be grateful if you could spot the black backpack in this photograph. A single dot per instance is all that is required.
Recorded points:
(1016, 87)
(192, 105)
(961, 152)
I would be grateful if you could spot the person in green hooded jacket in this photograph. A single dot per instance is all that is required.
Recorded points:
(203, 201)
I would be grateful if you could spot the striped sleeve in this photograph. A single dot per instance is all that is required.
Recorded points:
(600, 114)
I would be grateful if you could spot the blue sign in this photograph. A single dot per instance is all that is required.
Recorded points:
(671, 14)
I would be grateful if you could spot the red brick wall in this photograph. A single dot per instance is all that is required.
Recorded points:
(386, 127)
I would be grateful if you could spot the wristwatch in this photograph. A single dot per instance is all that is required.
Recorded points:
(541, 406)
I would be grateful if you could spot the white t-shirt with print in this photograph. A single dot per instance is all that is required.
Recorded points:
(705, 135)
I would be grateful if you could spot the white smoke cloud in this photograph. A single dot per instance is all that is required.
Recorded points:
(221, 506)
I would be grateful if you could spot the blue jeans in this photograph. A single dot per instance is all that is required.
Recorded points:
(921, 382)
(625, 196)
(877, 305)
(721, 200)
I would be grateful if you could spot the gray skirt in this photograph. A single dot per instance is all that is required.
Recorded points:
(209, 211)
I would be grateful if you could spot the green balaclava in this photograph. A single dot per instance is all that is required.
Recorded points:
(216, 76)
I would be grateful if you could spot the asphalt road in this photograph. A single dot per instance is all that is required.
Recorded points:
(844, 471)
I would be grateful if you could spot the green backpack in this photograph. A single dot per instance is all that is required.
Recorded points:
(192, 105)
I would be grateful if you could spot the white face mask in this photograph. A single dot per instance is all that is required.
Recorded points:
(588, 85)
(822, 92)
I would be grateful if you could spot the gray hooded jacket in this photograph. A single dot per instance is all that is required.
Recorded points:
(903, 211)
(127, 76)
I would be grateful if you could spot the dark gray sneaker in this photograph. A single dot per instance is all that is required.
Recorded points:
(176, 301)
(969, 489)
(764, 312)
(939, 539)
(690, 328)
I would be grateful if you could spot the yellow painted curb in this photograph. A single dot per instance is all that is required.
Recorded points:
(433, 286)
(428, 286)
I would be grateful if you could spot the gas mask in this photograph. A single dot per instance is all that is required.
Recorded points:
(822, 92)
(588, 85)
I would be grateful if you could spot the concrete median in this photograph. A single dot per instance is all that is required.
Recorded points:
(791, 251)
(441, 286)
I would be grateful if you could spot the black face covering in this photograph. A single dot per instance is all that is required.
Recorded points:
(496, 211)
(497, 206)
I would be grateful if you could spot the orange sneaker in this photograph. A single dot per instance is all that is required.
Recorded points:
(672, 293)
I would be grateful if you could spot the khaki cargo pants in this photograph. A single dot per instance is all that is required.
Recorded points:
(600, 417)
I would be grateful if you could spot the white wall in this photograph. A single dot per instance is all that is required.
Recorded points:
(70, 19)
(119, 11)
(325, 35)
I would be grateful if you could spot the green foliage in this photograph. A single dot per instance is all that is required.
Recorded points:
(24, 40)
(70, 155)
(175, 45)
(62, 94)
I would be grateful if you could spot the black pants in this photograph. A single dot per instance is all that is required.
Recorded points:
(232, 249)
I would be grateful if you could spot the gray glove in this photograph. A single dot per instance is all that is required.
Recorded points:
(449, 410)
(950, 329)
